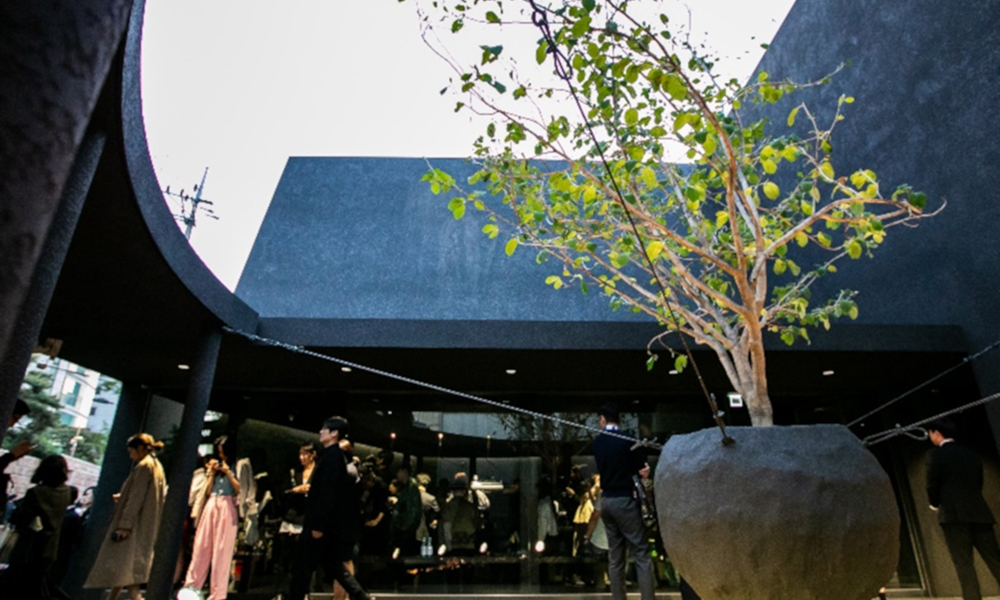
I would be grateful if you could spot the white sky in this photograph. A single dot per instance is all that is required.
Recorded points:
(239, 86)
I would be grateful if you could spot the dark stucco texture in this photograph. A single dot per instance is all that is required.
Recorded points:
(785, 513)
(362, 238)
(924, 76)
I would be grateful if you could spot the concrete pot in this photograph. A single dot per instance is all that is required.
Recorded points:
(786, 513)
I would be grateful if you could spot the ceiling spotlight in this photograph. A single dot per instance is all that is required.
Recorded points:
(345, 369)
(440, 436)
(183, 367)
(511, 371)
(827, 373)
(392, 436)
(674, 371)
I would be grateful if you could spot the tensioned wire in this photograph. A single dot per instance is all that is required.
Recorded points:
(507, 407)
(965, 360)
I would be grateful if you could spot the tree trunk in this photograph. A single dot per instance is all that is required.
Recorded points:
(746, 371)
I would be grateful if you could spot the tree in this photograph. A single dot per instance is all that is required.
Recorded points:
(43, 429)
(44, 415)
(716, 248)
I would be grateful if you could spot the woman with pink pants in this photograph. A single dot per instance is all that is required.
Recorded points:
(215, 535)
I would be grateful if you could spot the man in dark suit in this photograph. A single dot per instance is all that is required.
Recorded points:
(323, 531)
(955, 491)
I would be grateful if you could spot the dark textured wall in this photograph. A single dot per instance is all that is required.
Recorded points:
(364, 238)
(924, 75)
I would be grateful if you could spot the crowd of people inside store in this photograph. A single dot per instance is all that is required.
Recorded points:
(241, 517)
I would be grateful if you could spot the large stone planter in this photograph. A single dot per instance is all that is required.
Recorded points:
(786, 513)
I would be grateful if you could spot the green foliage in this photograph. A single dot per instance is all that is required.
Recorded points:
(727, 235)
(42, 426)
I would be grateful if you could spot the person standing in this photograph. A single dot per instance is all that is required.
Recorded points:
(126, 554)
(20, 410)
(955, 491)
(215, 534)
(406, 517)
(38, 519)
(322, 540)
(617, 463)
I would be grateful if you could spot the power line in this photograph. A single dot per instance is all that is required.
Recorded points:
(197, 203)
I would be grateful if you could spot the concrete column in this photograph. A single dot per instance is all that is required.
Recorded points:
(168, 541)
(54, 59)
(129, 418)
(29, 321)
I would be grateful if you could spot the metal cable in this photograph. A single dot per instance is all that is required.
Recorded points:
(965, 360)
(565, 72)
(910, 429)
(536, 415)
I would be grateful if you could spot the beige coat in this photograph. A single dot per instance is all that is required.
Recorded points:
(138, 509)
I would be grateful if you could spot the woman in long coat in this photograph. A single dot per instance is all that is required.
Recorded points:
(127, 552)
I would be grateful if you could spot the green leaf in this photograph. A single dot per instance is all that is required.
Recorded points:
(675, 87)
(491, 230)
(788, 336)
(721, 218)
(631, 116)
(769, 167)
(680, 363)
(801, 239)
(649, 177)
(457, 25)
(654, 249)
(491, 17)
(771, 190)
(511, 246)
(827, 169)
(541, 51)
(589, 4)
(709, 145)
(853, 312)
(779, 266)
(791, 116)
(651, 361)
(457, 207)
(854, 249)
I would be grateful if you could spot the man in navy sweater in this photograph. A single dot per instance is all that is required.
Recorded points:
(618, 463)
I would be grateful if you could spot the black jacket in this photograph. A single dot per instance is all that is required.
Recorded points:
(329, 479)
(955, 485)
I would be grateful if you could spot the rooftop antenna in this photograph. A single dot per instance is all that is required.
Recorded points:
(190, 205)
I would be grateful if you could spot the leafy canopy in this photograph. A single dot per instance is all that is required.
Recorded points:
(636, 171)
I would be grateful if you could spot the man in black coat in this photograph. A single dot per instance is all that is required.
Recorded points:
(324, 532)
(955, 491)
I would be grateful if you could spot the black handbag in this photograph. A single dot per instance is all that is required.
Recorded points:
(646, 508)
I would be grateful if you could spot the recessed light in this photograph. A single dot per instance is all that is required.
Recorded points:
(674, 371)
(511, 371)
(183, 367)
(345, 369)
(827, 373)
